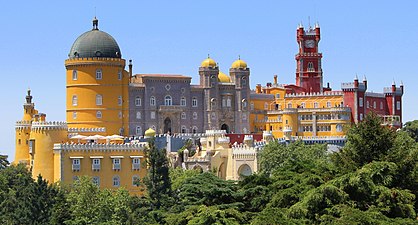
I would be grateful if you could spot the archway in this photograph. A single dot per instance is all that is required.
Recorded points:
(222, 171)
(225, 127)
(167, 125)
(244, 171)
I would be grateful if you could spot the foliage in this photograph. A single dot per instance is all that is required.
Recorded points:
(179, 175)
(411, 128)
(3, 162)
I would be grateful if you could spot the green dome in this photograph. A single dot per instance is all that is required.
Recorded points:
(95, 43)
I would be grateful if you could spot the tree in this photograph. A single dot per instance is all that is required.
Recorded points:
(366, 141)
(411, 128)
(3, 162)
(157, 180)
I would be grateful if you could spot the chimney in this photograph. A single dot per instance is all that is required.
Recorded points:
(130, 68)
(275, 79)
(258, 89)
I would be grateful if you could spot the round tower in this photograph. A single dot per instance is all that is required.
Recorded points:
(97, 85)
(23, 128)
(43, 136)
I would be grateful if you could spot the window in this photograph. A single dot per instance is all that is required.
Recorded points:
(136, 181)
(183, 129)
(361, 116)
(228, 102)
(244, 117)
(252, 105)
(183, 115)
(98, 74)
(75, 100)
(152, 115)
(138, 115)
(194, 130)
(277, 95)
(168, 100)
(96, 180)
(76, 165)
(119, 75)
(99, 99)
(398, 105)
(381, 105)
(138, 130)
(194, 102)
(328, 104)
(98, 114)
(75, 75)
(136, 163)
(367, 104)
(289, 105)
(152, 101)
(316, 105)
(74, 115)
(137, 101)
(96, 164)
(119, 100)
(244, 104)
(223, 101)
(303, 105)
(183, 101)
(167, 87)
(116, 181)
(244, 81)
(310, 67)
(374, 105)
(360, 102)
(195, 115)
(213, 116)
(266, 106)
(120, 114)
(116, 163)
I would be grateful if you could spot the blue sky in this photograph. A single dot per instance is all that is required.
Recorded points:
(378, 39)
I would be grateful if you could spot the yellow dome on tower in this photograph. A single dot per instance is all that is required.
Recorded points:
(239, 64)
(208, 63)
(150, 133)
(223, 78)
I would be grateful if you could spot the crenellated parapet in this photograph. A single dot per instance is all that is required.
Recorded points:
(314, 94)
(89, 147)
(23, 124)
(211, 133)
(52, 125)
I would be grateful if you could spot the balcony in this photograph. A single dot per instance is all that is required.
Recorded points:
(136, 166)
(116, 166)
(171, 108)
(76, 167)
(95, 167)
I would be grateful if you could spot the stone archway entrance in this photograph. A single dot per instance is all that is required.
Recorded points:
(225, 127)
(167, 125)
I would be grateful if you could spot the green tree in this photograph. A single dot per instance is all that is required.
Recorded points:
(157, 180)
(411, 128)
(3, 162)
(178, 176)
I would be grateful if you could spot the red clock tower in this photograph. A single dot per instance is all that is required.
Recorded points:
(308, 59)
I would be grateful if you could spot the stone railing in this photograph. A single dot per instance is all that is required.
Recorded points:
(86, 130)
(99, 147)
(23, 124)
(59, 125)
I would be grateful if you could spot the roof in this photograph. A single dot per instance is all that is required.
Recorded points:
(170, 76)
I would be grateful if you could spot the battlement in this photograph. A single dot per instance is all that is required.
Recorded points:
(23, 124)
(52, 125)
(215, 132)
(388, 91)
(100, 147)
(314, 94)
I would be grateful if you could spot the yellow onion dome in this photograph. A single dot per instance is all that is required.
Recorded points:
(239, 64)
(208, 63)
(150, 133)
(223, 78)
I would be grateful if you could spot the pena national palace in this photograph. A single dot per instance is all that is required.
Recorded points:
(111, 112)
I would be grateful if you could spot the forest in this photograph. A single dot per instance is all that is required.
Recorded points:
(373, 179)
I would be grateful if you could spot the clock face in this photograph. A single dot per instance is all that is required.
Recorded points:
(310, 43)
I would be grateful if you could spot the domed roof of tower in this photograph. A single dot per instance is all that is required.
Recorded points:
(95, 43)
(209, 62)
(239, 64)
(150, 133)
(223, 78)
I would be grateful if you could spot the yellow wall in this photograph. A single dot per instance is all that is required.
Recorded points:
(86, 87)
(22, 144)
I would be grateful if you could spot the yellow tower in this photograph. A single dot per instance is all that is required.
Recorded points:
(97, 85)
(23, 128)
(43, 136)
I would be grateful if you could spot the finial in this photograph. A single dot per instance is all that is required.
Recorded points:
(393, 82)
(208, 56)
(95, 23)
(364, 78)
(28, 91)
(317, 24)
(401, 83)
(239, 57)
(356, 77)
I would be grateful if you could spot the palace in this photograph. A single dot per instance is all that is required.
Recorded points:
(110, 109)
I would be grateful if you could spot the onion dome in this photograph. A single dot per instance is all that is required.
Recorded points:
(208, 62)
(95, 43)
(150, 133)
(239, 64)
(223, 78)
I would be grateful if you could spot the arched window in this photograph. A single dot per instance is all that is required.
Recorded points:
(119, 75)
(195, 115)
(266, 106)
(75, 75)
(152, 101)
(99, 100)
(183, 115)
(328, 104)
(138, 115)
(168, 100)
(99, 114)
(99, 74)
(289, 105)
(213, 104)
(138, 130)
(183, 129)
(119, 100)
(183, 101)
(228, 102)
(194, 130)
(244, 104)
(194, 102)
(116, 181)
(302, 105)
(244, 81)
(136, 180)
(74, 115)
(137, 101)
(310, 67)
(75, 100)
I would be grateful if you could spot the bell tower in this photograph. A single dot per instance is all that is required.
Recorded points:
(308, 59)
